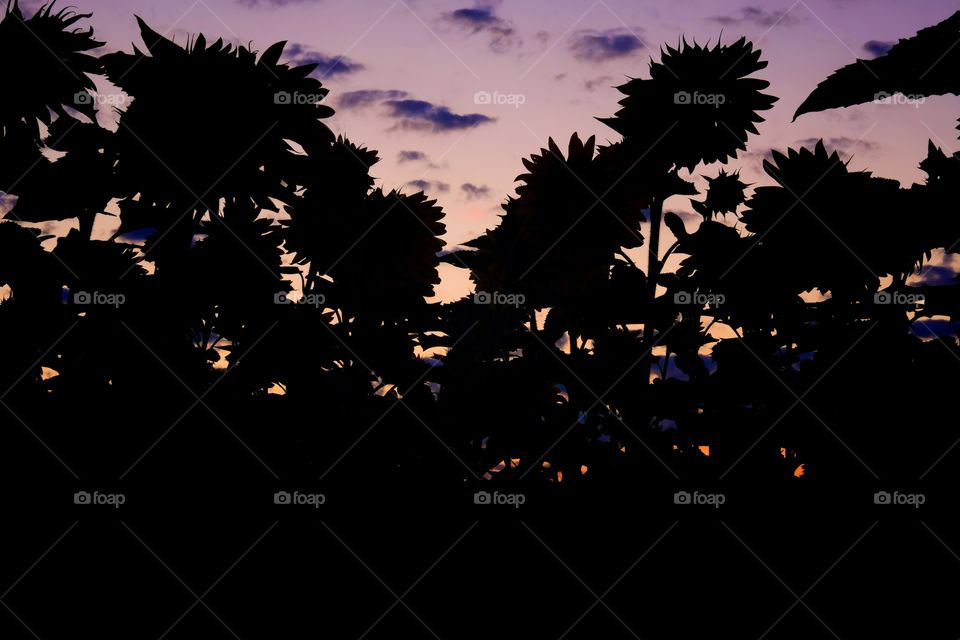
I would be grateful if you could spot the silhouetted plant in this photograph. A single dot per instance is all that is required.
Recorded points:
(820, 240)
(924, 65)
(557, 241)
(212, 121)
(697, 106)
(51, 68)
(52, 72)
(725, 194)
(567, 368)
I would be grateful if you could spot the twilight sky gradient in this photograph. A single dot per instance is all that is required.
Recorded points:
(411, 69)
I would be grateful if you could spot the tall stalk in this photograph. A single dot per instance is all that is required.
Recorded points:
(653, 274)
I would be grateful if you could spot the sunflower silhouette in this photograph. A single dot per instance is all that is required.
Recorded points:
(213, 121)
(46, 67)
(698, 105)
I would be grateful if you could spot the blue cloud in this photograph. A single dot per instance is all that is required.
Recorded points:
(411, 156)
(475, 192)
(934, 328)
(483, 19)
(596, 46)
(937, 275)
(427, 185)
(760, 17)
(426, 116)
(327, 66)
(479, 16)
(877, 48)
(367, 97)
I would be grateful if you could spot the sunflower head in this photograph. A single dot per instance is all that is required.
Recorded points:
(338, 184)
(698, 104)
(45, 64)
(213, 121)
(373, 254)
(828, 227)
(385, 261)
(559, 234)
(724, 195)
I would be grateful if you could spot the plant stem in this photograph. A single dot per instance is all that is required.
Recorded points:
(653, 274)
(87, 220)
(653, 249)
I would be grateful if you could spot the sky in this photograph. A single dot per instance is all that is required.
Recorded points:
(454, 94)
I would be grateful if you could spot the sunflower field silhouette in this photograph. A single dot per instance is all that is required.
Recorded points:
(261, 311)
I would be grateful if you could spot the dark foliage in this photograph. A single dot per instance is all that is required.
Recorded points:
(256, 281)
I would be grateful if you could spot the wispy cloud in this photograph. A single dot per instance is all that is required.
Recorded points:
(421, 115)
(475, 192)
(760, 17)
(591, 84)
(408, 113)
(327, 66)
(274, 3)
(411, 156)
(429, 185)
(877, 48)
(368, 97)
(590, 45)
(935, 275)
(482, 18)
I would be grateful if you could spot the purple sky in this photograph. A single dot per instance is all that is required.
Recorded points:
(411, 78)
